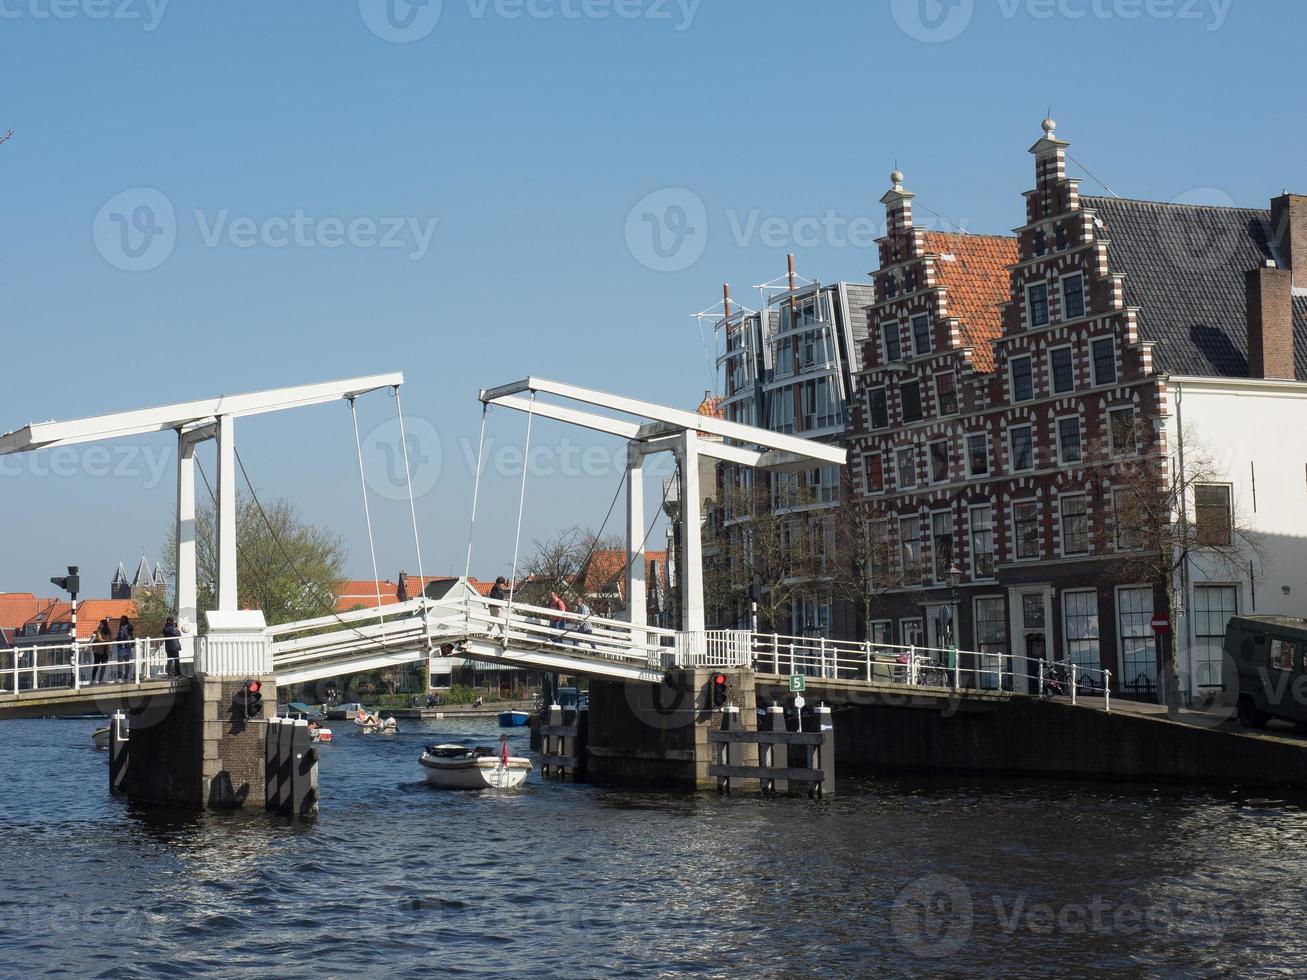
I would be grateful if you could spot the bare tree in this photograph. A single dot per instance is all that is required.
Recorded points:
(1174, 512)
(555, 566)
(769, 550)
(867, 565)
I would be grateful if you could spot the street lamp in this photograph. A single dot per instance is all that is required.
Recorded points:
(954, 580)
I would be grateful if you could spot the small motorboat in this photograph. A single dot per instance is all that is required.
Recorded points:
(101, 738)
(458, 767)
(319, 734)
(372, 725)
(514, 719)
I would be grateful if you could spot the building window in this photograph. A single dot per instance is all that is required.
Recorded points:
(1075, 524)
(821, 404)
(1138, 642)
(873, 469)
(939, 461)
(910, 548)
(910, 393)
(1025, 529)
(1060, 370)
(877, 408)
(1121, 427)
(946, 395)
(1059, 231)
(905, 464)
(1212, 517)
(881, 632)
(909, 280)
(1125, 519)
(982, 541)
(893, 350)
(1068, 439)
(941, 542)
(1037, 304)
(824, 484)
(991, 640)
(1073, 297)
(1021, 445)
(1103, 354)
(891, 286)
(978, 454)
(1041, 242)
(912, 632)
(921, 335)
(1023, 383)
(1081, 622)
(1213, 607)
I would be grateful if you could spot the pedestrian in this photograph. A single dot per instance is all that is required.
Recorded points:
(556, 602)
(585, 629)
(499, 593)
(172, 646)
(100, 643)
(126, 641)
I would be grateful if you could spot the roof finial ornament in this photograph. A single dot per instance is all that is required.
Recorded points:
(1049, 124)
(896, 178)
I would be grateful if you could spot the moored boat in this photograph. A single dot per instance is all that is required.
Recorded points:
(101, 738)
(513, 719)
(458, 767)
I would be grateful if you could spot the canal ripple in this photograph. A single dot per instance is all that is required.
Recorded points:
(921, 876)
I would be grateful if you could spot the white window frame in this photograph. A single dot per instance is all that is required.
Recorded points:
(920, 557)
(1113, 410)
(1080, 442)
(966, 448)
(866, 483)
(1052, 374)
(898, 474)
(871, 421)
(938, 575)
(939, 398)
(921, 402)
(1066, 635)
(1030, 307)
(930, 462)
(921, 628)
(912, 327)
(885, 329)
(1061, 295)
(1012, 376)
(1016, 539)
(1210, 641)
(1061, 524)
(976, 574)
(1011, 449)
(1093, 361)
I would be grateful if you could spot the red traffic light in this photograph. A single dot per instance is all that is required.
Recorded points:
(254, 687)
(719, 679)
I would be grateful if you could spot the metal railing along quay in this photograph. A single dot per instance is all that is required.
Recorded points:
(74, 666)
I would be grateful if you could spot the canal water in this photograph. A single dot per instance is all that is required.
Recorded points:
(920, 876)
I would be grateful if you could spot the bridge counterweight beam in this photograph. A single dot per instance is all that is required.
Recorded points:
(636, 603)
(186, 576)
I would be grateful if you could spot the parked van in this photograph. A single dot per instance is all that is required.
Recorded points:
(1267, 653)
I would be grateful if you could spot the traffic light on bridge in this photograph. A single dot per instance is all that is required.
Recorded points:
(70, 583)
(249, 699)
(719, 686)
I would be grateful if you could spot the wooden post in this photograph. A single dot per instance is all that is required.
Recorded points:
(272, 764)
(826, 752)
(120, 748)
(304, 771)
(553, 743)
(776, 723)
(724, 753)
(285, 764)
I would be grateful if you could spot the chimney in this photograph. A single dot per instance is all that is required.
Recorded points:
(1268, 293)
(1289, 235)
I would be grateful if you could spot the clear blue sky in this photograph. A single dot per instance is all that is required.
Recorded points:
(529, 140)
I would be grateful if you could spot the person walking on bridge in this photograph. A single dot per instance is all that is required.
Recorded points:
(584, 627)
(101, 641)
(126, 640)
(499, 592)
(172, 646)
(556, 602)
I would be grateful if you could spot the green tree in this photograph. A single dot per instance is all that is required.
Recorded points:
(285, 566)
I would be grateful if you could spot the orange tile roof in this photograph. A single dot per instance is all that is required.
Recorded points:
(16, 608)
(363, 592)
(978, 284)
(607, 568)
(91, 611)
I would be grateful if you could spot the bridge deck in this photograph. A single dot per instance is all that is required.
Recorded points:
(99, 699)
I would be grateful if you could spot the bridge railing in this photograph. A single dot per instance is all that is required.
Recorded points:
(570, 632)
(73, 666)
(919, 666)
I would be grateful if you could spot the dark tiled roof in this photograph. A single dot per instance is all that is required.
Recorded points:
(1184, 266)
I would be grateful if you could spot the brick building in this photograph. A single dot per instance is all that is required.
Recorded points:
(1004, 382)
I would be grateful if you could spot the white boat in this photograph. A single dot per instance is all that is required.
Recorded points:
(458, 767)
(101, 738)
(371, 725)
